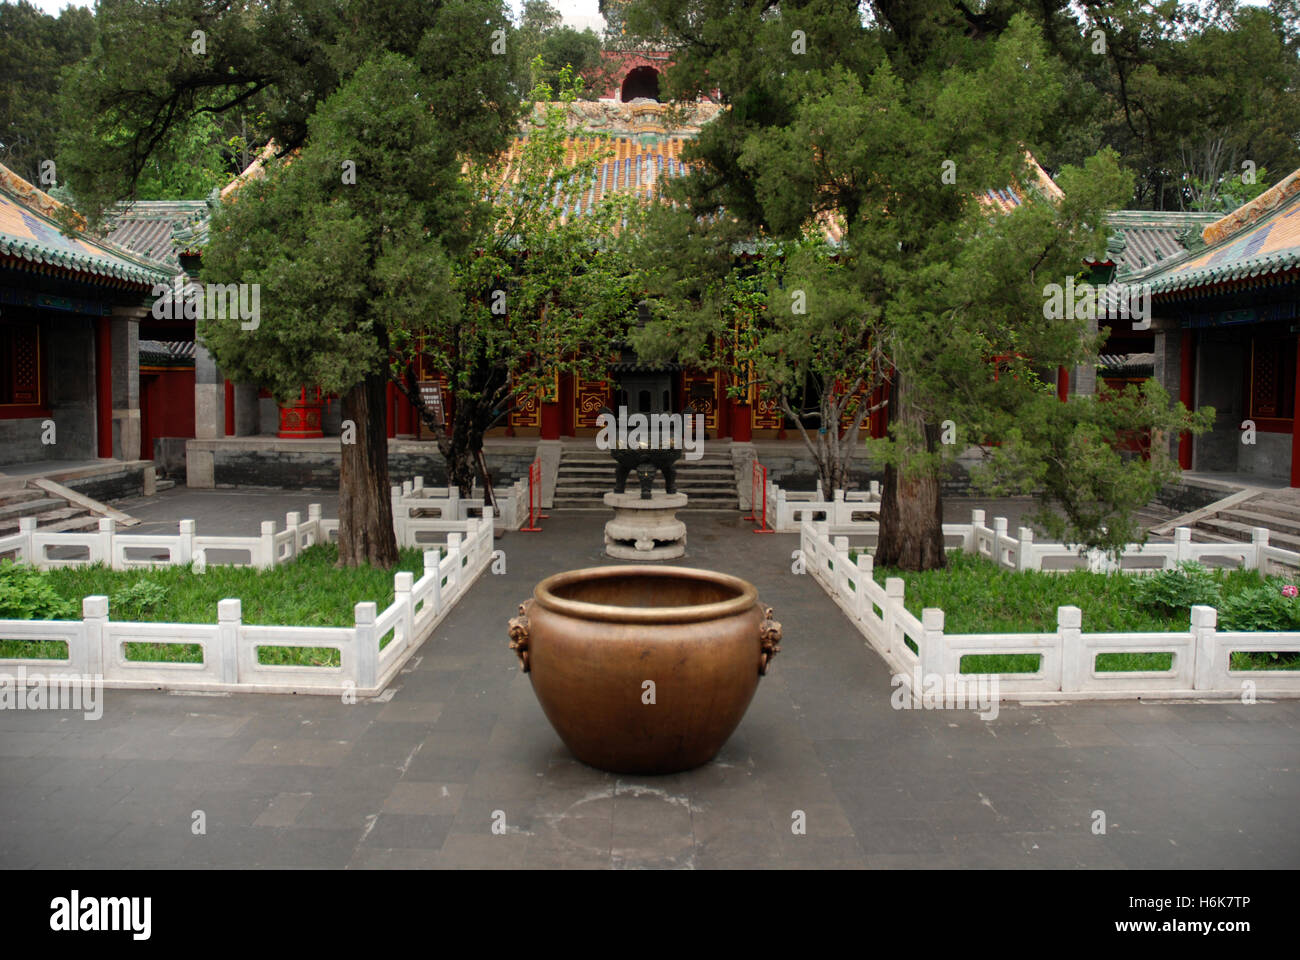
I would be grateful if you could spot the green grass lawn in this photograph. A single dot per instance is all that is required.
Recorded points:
(310, 591)
(977, 596)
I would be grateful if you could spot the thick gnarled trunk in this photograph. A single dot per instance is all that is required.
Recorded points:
(365, 510)
(911, 508)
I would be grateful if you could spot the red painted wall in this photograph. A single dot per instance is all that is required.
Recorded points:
(629, 62)
(166, 406)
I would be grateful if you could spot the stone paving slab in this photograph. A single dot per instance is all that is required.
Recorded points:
(418, 778)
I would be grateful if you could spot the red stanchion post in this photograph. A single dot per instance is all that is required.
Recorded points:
(534, 483)
(540, 516)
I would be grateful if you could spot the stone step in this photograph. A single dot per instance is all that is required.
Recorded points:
(607, 478)
(30, 508)
(1241, 532)
(72, 525)
(602, 456)
(607, 482)
(598, 490)
(1269, 506)
(716, 506)
(1204, 536)
(606, 470)
(67, 517)
(606, 463)
(1251, 518)
(21, 495)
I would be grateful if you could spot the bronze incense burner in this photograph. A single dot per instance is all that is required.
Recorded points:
(644, 669)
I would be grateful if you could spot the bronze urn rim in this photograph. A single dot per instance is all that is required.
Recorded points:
(746, 595)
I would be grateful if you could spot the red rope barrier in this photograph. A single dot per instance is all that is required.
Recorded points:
(534, 483)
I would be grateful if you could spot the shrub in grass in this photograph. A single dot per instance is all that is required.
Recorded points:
(1176, 591)
(1273, 606)
(27, 594)
(137, 600)
(1264, 607)
(977, 596)
(310, 591)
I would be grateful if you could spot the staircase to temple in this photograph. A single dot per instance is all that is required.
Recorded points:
(53, 511)
(1232, 519)
(586, 474)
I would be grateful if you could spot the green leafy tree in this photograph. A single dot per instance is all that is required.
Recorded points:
(542, 33)
(1185, 92)
(192, 168)
(931, 290)
(542, 288)
(1197, 91)
(34, 49)
(350, 268)
(404, 90)
(154, 67)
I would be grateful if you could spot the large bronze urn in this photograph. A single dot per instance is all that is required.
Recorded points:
(644, 669)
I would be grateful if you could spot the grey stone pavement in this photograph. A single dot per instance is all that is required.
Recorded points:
(417, 777)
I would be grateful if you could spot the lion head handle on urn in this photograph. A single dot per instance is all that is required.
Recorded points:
(519, 636)
(769, 637)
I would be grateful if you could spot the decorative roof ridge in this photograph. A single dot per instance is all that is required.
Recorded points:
(43, 205)
(1159, 218)
(35, 198)
(1253, 210)
(254, 171)
(155, 209)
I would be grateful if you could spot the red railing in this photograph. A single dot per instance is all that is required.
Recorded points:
(534, 497)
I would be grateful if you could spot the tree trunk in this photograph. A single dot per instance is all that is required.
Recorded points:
(459, 451)
(911, 508)
(366, 533)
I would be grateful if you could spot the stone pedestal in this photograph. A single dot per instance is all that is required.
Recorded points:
(645, 529)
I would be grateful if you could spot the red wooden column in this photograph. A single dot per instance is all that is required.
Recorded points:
(104, 388)
(1186, 386)
(725, 406)
(391, 407)
(405, 414)
(1062, 384)
(1295, 428)
(230, 409)
(550, 420)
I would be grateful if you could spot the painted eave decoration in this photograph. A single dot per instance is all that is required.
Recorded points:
(30, 234)
(1259, 242)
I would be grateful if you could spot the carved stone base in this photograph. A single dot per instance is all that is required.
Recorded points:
(645, 529)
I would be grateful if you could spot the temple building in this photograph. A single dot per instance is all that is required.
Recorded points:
(187, 409)
(1225, 327)
(73, 309)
